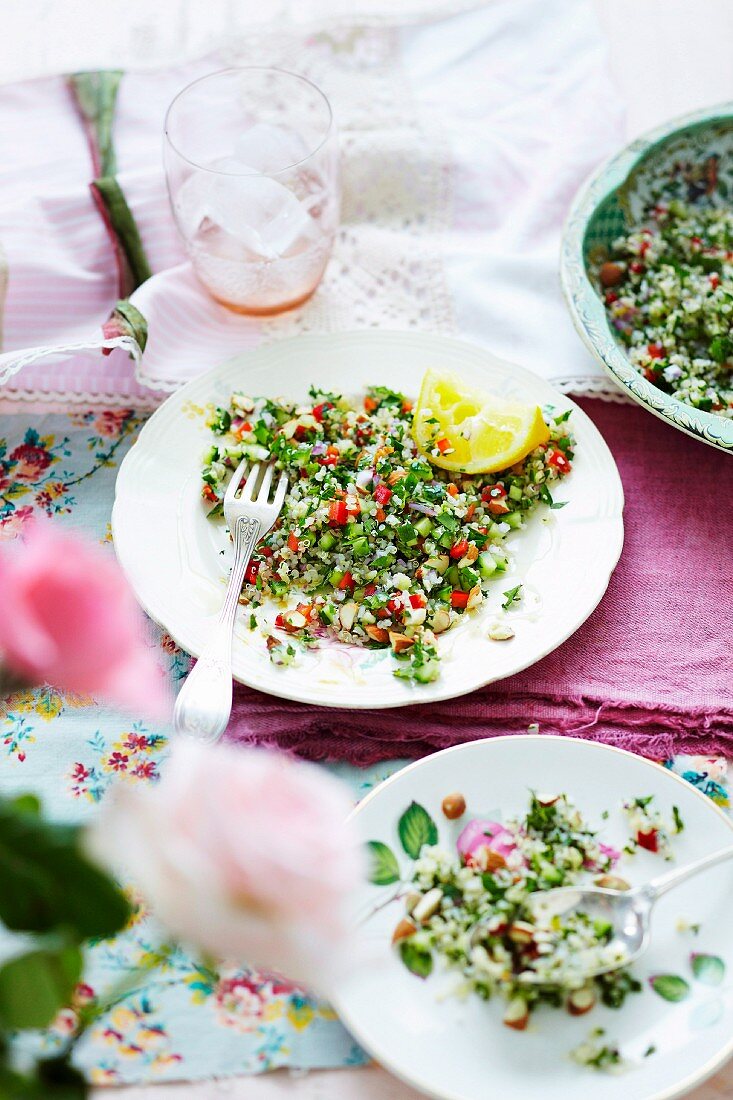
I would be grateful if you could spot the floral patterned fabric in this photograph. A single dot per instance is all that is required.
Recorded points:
(177, 1020)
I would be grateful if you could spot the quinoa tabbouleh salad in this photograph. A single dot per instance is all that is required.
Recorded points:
(668, 292)
(471, 905)
(384, 547)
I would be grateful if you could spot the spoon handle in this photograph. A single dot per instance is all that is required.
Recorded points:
(663, 883)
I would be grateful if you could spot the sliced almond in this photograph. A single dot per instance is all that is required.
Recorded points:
(470, 556)
(581, 1000)
(547, 799)
(347, 614)
(517, 1014)
(475, 596)
(428, 905)
(400, 642)
(500, 632)
(440, 621)
(378, 634)
(294, 620)
(411, 900)
(521, 932)
(612, 882)
(404, 929)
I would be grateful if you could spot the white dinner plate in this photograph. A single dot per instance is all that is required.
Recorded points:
(455, 1049)
(177, 560)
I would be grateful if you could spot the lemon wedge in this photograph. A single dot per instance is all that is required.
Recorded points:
(459, 427)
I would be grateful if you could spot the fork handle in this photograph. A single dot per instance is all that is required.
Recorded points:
(204, 703)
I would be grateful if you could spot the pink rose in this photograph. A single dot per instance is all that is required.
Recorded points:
(69, 619)
(481, 837)
(244, 853)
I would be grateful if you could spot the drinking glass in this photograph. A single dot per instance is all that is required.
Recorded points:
(251, 160)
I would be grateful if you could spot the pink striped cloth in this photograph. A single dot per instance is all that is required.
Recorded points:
(58, 276)
(650, 670)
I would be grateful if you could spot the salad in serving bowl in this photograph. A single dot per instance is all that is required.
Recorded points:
(647, 271)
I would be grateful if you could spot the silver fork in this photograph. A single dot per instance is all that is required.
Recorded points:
(204, 703)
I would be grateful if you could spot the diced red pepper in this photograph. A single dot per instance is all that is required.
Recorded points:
(208, 493)
(470, 512)
(251, 572)
(443, 445)
(347, 582)
(611, 297)
(459, 549)
(280, 622)
(394, 606)
(459, 599)
(492, 492)
(648, 840)
(696, 241)
(452, 489)
(381, 515)
(319, 411)
(417, 600)
(651, 374)
(353, 508)
(636, 268)
(714, 280)
(559, 460)
(370, 404)
(656, 351)
(382, 494)
(293, 543)
(407, 406)
(330, 458)
(370, 590)
(266, 551)
(644, 248)
(337, 513)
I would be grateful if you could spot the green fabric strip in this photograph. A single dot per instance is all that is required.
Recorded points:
(113, 205)
(95, 95)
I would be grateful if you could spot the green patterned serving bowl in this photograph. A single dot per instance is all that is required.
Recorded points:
(672, 161)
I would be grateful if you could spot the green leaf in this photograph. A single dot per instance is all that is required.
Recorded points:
(416, 959)
(26, 804)
(511, 596)
(708, 969)
(47, 881)
(416, 828)
(34, 986)
(670, 986)
(383, 866)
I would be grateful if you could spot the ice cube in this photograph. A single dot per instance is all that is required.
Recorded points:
(262, 214)
(269, 148)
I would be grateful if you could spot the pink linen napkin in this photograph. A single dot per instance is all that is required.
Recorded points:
(651, 670)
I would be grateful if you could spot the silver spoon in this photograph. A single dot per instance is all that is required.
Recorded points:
(627, 911)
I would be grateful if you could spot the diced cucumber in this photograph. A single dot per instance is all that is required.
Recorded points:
(452, 575)
(327, 614)
(427, 672)
(446, 540)
(424, 526)
(327, 541)
(486, 564)
(515, 492)
(514, 519)
(439, 564)
(335, 577)
(360, 547)
(355, 530)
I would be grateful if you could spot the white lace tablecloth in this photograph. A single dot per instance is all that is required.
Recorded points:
(464, 136)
